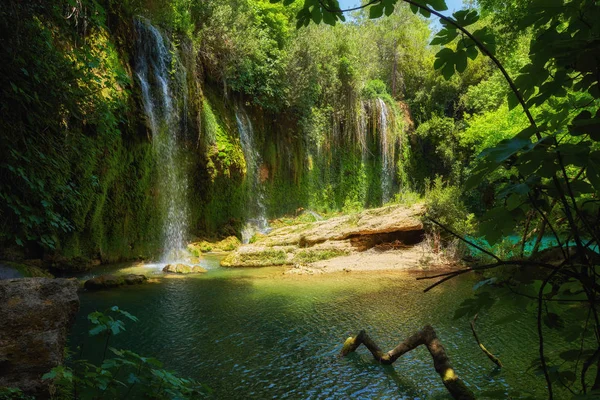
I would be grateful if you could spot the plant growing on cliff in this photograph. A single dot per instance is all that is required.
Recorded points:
(126, 374)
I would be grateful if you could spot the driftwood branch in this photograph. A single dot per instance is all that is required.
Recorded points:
(492, 357)
(427, 337)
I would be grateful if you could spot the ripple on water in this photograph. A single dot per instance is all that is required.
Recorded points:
(258, 334)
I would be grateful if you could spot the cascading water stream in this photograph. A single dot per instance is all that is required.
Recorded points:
(387, 153)
(164, 96)
(257, 213)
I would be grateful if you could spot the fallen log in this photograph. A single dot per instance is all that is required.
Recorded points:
(427, 337)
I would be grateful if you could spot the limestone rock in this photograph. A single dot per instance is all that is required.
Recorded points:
(339, 236)
(183, 269)
(377, 221)
(36, 314)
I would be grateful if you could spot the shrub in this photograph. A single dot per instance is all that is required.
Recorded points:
(125, 374)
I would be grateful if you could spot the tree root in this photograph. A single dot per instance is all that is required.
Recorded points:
(427, 337)
(492, 357)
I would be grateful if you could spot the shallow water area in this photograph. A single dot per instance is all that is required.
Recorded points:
(260, 333)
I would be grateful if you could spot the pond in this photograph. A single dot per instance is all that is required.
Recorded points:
(258, 333)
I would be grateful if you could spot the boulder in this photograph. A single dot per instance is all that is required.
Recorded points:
(133, 279)
(111, 281)
(183, 269)
(36, 314)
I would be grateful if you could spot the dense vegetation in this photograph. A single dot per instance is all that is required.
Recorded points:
(501, 107)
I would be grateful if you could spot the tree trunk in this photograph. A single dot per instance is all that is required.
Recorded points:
(427, 337)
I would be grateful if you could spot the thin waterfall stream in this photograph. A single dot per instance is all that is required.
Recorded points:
(257, 212)
(387, 153)
(164, 96)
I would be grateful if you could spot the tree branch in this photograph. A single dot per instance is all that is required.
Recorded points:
(427, 337)
(492, 357)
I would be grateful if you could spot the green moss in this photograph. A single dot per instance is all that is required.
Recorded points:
(309, 256)
(228, 244)
(265, 258)
(29, 271)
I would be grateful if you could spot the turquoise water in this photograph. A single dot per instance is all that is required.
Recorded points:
(257, 333)
(512, 245)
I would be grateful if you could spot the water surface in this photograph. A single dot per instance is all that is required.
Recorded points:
(256, 333)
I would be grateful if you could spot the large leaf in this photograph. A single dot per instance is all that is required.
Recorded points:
(505, 149)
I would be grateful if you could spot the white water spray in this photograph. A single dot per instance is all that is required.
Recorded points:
(257, 213)
(164, 96)
(387, 153)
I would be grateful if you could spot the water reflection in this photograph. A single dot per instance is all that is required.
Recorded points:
(260, 334)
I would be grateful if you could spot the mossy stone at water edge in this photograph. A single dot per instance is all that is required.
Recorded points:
(183, 269)
(28, 269)
(112, 281)
(36, 314)
(228, 244)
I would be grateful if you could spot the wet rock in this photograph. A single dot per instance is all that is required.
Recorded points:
(111, 281)
(183, 269)
(133, 279)
(24, 269)
(36, 314)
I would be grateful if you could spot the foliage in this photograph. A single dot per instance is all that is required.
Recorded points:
(444, 205)
(66, 136)
(550, 177)
(13, 394)
(125, 374)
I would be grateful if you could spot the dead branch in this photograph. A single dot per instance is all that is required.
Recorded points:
(427, 337)
(492, 357)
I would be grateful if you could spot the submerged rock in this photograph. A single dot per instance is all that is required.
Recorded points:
(183, 269)
(112, 281)
(133, 279)
(36, 314)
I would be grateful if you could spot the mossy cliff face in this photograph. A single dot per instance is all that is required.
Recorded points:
(80, 174)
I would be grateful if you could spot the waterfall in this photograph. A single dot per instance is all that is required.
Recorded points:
(257, 213)
(164, 96)
(387, 153)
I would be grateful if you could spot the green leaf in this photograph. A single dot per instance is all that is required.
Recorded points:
(376, 11)
(448, 71)
(513, 101)
(438, 5)
(49, 375)
(593, 169)
(444, 36)
(316, 15)
(472, 52)
(461, 61)
(466, 17)
(553, 321)
(389, 10)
